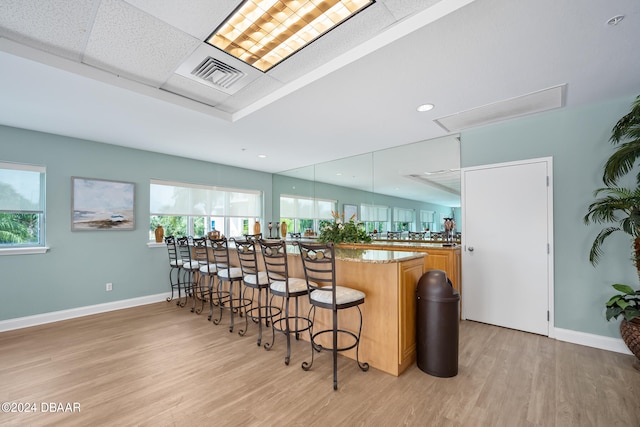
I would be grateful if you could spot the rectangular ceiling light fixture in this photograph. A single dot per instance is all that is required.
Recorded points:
(263, 33)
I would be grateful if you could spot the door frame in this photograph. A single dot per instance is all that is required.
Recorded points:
(550, 242)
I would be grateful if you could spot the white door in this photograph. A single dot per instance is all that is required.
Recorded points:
(507, 267)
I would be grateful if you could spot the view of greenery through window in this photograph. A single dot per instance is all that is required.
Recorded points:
(18, 228)
(197, 226)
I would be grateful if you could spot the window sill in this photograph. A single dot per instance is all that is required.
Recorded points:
(156, 245)
(24, 251)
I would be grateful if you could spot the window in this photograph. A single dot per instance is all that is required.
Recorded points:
(305, 213)
(194, 210)
(426, 220)
(375, 218)
(402, 219)
(22, 203)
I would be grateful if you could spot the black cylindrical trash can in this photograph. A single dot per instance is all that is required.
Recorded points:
(437, 325)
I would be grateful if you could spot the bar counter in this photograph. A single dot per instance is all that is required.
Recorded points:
(388, 278)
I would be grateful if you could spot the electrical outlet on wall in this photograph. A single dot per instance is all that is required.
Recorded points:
(109, 286)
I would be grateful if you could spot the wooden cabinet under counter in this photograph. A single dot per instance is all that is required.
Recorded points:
(446, 258)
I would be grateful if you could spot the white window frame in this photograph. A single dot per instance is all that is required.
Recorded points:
(39, 208)
(209, 202)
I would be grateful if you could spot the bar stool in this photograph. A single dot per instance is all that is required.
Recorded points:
(255, 280)
(393, 235)
(187, 268)
(175, 265)
(274, 254)
(232, 299)
(207, 273)
(416, 235)
(318, 262)
(253, 237)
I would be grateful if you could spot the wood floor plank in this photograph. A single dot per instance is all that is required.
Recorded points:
(161, 365)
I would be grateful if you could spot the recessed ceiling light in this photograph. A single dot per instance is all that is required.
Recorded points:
(263, 33)
(425, 107)
(262, 156)
(615, 20)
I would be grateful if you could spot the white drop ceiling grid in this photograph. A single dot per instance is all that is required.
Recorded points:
(147, 41)
(459, 55)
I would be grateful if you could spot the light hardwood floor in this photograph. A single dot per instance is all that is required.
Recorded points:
(162, 365)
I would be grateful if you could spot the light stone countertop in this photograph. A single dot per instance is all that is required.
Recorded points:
(375, 256)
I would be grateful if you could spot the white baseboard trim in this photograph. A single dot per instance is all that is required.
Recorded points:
(591, 340)
(56, 316)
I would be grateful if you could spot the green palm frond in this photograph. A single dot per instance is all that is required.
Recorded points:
(621, 162)
(627, 131)
(616, 205)
(629, 123)
(596, 248)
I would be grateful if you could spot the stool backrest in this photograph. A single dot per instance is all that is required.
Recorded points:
(247, 256)
(201, 253)
(184, 249)
(220, 250)
(253, 237)
(274, 255)
(319, 265)
(170, 241)
(393, 234)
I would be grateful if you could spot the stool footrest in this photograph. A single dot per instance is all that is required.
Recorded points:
(280, 324)
(319, 347)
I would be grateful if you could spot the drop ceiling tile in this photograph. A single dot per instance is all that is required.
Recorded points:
(403, 8)
(196, 17)
(129, 42)
(29, 22)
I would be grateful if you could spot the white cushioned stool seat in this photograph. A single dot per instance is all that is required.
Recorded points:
(295, 285)
(230, 273)
(343, 295)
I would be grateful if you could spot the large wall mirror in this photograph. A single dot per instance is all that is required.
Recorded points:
(422, 177)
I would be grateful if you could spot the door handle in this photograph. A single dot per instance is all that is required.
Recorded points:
(470, 248)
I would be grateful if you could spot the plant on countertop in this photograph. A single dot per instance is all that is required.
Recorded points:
(619, 207)
(339, 231)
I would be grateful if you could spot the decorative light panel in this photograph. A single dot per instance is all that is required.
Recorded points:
(263, 33)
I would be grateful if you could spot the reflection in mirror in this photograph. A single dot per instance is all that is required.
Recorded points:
(426, 171)
(290, 192)
(354, 172)
(416, 185)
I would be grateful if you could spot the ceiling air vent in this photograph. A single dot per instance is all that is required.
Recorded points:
(218, 73)
(531, 103)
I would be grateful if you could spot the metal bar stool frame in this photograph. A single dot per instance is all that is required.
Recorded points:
(175, 264)
(274, 255)
(187, 268)
(318, 262)
(255, 280)
(207, 273)
(235, 301)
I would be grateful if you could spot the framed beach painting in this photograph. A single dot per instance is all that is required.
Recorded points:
(99, 204)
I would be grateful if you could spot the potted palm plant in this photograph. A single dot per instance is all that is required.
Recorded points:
(619, 207)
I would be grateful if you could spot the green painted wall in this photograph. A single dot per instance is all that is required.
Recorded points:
(577, 139)
(79, 264)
